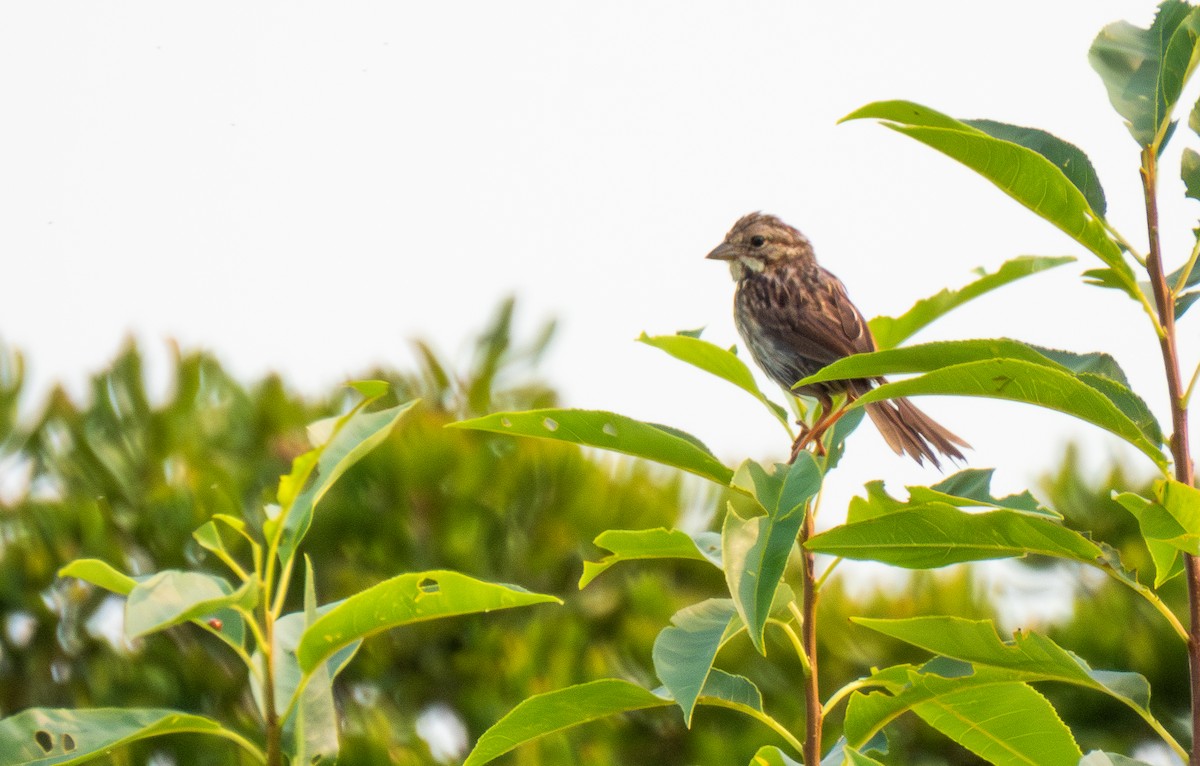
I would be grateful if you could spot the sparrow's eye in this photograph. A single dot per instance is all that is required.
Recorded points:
(758, 240)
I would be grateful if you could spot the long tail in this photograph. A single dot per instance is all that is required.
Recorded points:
(908, 431)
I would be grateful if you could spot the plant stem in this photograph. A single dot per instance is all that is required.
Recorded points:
(1164, 299)
(270, 714)
(812, 692)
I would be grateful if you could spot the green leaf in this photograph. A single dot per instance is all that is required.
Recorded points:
(1189, 171)
(1184, 302)
(1183, 503)
(554, 711)
(635, 544)
(370, 389)
(1004, 724)
(45, 736)
(1033, 656)
(173, 597)
(1144, 70)
(890, 332)
(1065, 156)
(357, 435)
(1098, 758)
(718, 361)
(925, 357)
(974, 706)
(1022, 173)
(606, 430)
(972, 487)
(232, 628)
(755, 550)
(408, 598)
(1163, 535)
(855, 758)
(101, 574)
(938, 535)
(684, 652)
(311, 730)
(1007, 378)
(312, 710)
(738, 691)
(769, 755)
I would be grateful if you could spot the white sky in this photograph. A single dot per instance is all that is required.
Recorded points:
(304, 186)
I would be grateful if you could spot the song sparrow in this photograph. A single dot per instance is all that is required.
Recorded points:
(796, 318)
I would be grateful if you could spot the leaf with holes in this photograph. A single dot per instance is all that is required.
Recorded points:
(609, 431)
(56, 737)
(408, 598)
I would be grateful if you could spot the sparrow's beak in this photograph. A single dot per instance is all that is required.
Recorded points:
(723, 252)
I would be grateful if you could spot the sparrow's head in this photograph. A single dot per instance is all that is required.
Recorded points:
(758, 242)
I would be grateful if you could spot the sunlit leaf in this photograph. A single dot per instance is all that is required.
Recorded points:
(1022, 173)
(1041, 383)
(769, 755)
(637, 544)
(46, 737)
(1004, 724)
(99, 573)
(408, 598)
(1034, 656)
(606, 430)
(718, 361)
(1165, 538)
(544, 714)
(938, 535)
(890, 332)
(357, 435)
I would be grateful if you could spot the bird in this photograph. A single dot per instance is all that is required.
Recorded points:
(795, 317)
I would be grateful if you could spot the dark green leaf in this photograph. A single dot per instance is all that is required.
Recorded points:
(1144, 70)
(684, 652)
(755, 550)
(1065, 156)
(1189, 171)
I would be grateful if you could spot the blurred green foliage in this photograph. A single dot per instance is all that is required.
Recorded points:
(126, 479)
